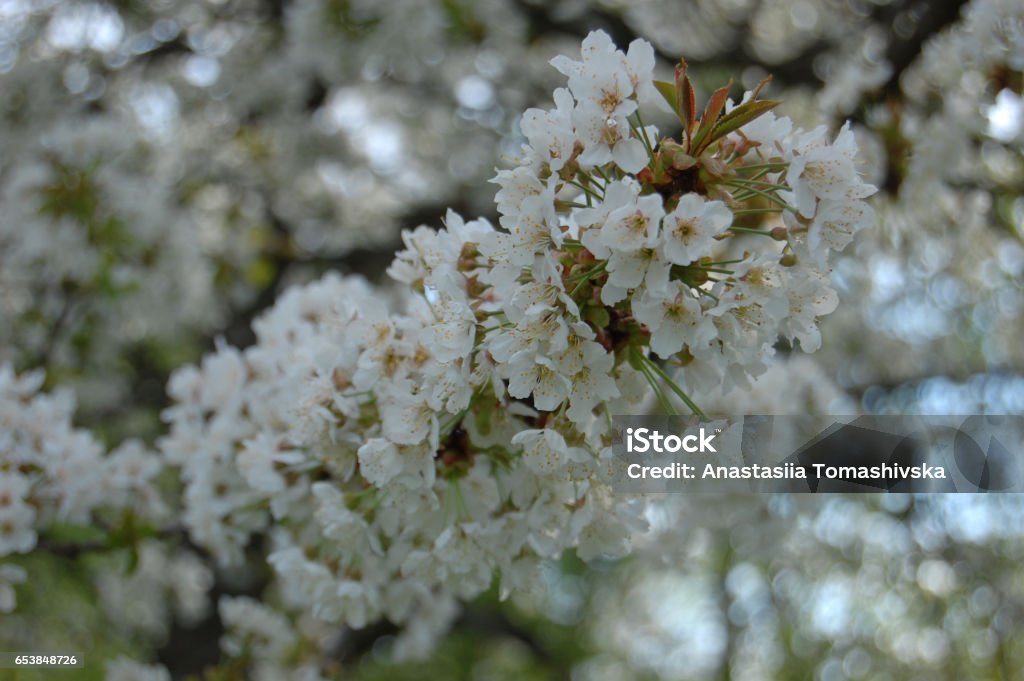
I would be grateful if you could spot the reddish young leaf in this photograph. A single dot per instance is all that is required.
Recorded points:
(687, 99)
(712, 111)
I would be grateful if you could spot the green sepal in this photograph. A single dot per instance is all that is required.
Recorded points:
(597, 315)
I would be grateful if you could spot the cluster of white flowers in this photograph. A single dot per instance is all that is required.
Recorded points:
(268, 642)
(402, 460)
(322, 149)
(124, 669)
(334, 426)
(948, 252)
(91, 248)
(661, 225)
(166, 584)
(52, 473)
(148, 192)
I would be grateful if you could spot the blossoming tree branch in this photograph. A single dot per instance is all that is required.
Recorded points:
(401, 455)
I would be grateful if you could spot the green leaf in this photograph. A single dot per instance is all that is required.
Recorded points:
(668, 91)
(740, 116)
(597, 315)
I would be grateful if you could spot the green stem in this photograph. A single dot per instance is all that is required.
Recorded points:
(666, 405)
(756, 211)
(604, 176)
(674, 387)
(638, 129)
(590, 194)
(640, 364)
(608, 416)
(587, 276)
(450, 425)
(748, 230)
(766, 195)
(589, 179)
(589, 273)
(752, 182)
(709, 294)
(764, 166)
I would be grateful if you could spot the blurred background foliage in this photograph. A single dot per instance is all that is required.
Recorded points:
(168, 167)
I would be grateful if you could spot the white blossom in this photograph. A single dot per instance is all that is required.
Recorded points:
(675, 319)
(691, 227)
